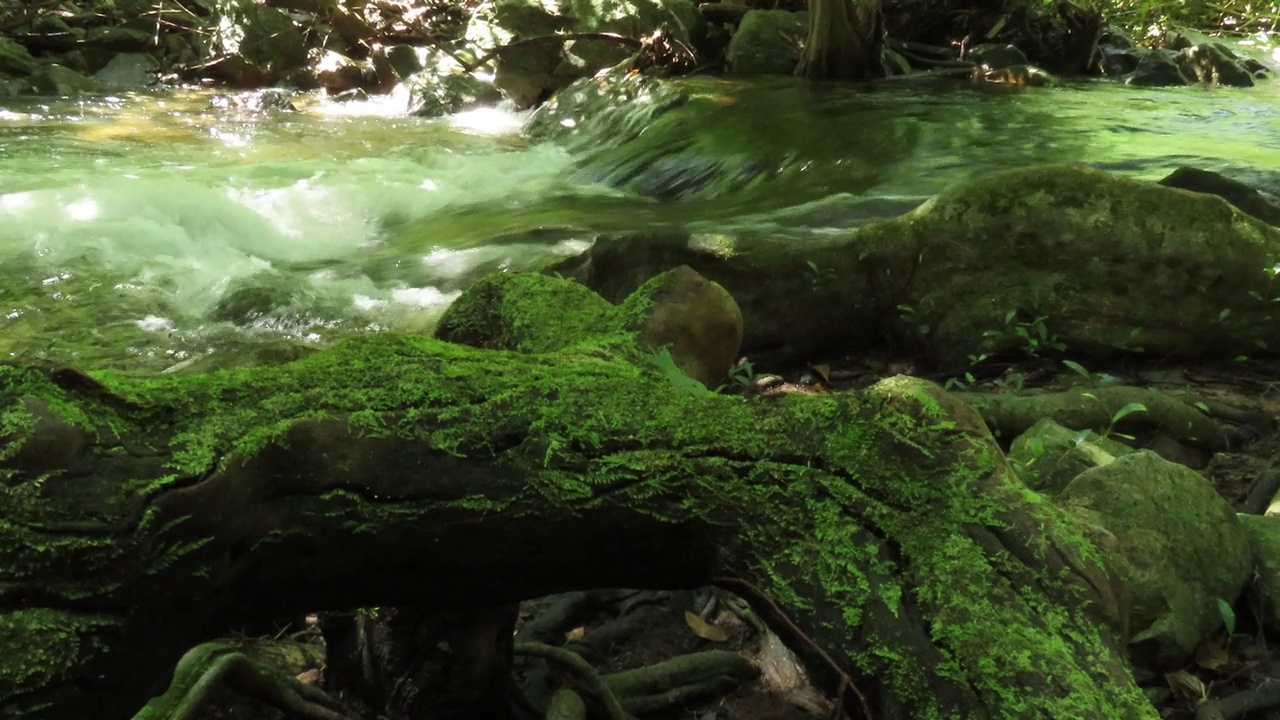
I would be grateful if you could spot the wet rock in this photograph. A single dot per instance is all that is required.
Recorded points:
(128, 70)
(1184, 546)
(55, 79)
(768, 42)
(1249, 200)
(1214, 64)
(337, 73)
(1118, 62)
(444, 87)
(1157, 68)
(257, 296)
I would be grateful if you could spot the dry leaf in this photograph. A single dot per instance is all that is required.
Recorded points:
(576, 633)
(704, 629)
(823, 370)
(1186, 686)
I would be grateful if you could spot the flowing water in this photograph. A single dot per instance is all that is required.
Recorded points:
(147, 231)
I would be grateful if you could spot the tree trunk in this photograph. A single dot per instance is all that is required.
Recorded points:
(879, 533)
(845, 41)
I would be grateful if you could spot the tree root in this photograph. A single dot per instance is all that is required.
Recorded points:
(210, 666)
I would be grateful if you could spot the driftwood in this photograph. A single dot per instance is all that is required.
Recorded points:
(880, 532)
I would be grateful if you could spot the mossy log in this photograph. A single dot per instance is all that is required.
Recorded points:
(142, 517)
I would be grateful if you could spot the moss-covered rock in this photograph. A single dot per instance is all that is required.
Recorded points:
(1073, 257)
(768, 42)
(1049, 456)
(1183, 544)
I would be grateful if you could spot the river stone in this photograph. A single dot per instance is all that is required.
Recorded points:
(1157, 68)
(1184, 547)
(1214, 64)
(1244, 197)
(768, 42)
(128, 70)
(55, 79)
(696, 319)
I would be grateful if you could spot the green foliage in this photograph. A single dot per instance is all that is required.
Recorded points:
(662, 360)
(1228, 616)
(1032, 336)
(1230, 16)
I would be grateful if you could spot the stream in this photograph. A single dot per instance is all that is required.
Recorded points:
(145, 232)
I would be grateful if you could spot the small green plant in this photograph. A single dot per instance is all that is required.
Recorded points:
(661, 359)
(956, 383)
(1116, 417)
(1031, 336)
(819, 275)
(911, 316)
(1228, 616)
(1011, 382)
(742, 374)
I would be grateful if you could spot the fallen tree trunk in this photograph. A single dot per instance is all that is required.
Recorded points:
(880, 532)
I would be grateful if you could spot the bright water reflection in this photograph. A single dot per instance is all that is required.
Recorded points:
(143, 230)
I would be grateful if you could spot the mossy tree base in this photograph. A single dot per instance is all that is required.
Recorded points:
(143, 517)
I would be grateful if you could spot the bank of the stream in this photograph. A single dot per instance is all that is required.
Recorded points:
(142, 231)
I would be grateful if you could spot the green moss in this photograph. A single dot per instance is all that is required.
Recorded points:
(832, 492)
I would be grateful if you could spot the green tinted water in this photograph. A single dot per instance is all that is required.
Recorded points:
(146, 231)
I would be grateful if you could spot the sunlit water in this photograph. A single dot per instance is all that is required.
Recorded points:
(146, 231)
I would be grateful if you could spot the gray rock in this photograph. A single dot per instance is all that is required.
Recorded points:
(128, 70)
(55, 79)
(118, 39)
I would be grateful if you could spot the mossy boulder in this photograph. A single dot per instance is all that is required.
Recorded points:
(1264, 538)
(1080, 259)
(1184, 546)
(768, 42)
(14, 58)
(1049, 456)
(696, 320)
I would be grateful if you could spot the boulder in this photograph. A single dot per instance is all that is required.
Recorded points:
(1214, 64)
(54, 79)
(1184, 547)
(14, 59)
(1096, 263)
(1157, 68)
(696, 319)
(768, 42)
(127, 70)
(443, 86)
(1248, 199)
(1049, 456)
